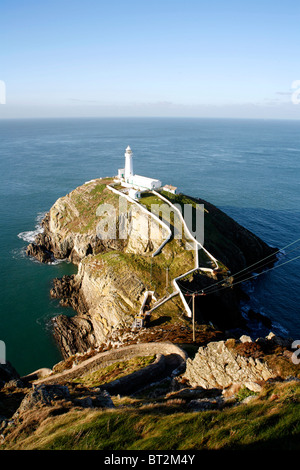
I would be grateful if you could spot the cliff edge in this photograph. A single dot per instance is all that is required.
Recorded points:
(115, 272)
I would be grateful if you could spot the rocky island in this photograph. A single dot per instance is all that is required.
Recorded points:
(199, 362)
(114, 274)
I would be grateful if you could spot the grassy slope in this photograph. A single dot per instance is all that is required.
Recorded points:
(152, 271)
(83, 203)
(270, 421)
(115, 371)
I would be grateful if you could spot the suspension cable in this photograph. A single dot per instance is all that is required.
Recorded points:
(254, 275)
(205, 289)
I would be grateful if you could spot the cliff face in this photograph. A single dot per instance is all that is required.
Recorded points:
(106, 293)
(113, 272)
(78, 225)
(104, 298)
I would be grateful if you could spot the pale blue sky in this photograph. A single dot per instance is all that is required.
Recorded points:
(149, 58)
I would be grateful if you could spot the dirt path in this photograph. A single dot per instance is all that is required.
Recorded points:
(168, 358)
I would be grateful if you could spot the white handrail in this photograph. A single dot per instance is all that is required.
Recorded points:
(187, 308)
(148, 213)
(197, 244)
(187, 230)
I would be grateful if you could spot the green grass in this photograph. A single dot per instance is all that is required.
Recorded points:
(244, 392)
(115, 371)
(151, 270)
(86, 200)
(271, 421)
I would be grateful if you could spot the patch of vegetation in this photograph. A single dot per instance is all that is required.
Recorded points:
(270, 422)
(247, 349)
(81, 205)
(243, 393)
(115, 371)
(156, 273)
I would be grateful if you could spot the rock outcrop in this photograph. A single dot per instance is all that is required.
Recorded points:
(220, 366)
(7, 374)
(72, 229)
(105, 299)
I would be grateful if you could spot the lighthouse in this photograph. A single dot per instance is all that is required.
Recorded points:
(128, 165)
(129, 180)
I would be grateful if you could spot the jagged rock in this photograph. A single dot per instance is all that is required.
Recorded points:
(99, 399)
(195, 394)
(104, 300)
(245, 339)
(103, 398)
(7, 373)
(277, 340)
(42, 395)
(14, 383)
(84, 402)
(67, 288)
(75, 334)
(248, 399)
(40, 253)
(217, 366)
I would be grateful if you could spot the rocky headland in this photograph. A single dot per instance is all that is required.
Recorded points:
(165, 369)
(114, 273)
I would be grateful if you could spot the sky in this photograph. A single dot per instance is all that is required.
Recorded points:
(189, 58)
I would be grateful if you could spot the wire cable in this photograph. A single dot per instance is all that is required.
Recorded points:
(254, 276)
(248, 267)
(236, 277)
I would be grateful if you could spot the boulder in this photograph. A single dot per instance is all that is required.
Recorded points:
(245, 339)
(217, 366)
(43, 395)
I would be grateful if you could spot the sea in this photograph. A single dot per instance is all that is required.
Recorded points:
(248, 168)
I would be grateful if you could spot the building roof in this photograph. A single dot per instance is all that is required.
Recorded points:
(168, 186)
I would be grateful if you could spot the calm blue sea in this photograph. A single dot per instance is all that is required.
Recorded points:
(248, 168)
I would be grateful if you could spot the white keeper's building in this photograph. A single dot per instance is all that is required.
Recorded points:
(128, 179)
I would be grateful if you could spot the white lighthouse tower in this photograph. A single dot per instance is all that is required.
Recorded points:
(137, 182)
(128, 165)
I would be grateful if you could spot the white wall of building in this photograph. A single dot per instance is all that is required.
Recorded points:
(138, 182)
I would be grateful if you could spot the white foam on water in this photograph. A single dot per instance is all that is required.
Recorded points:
(29, 236)
(57, 261)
